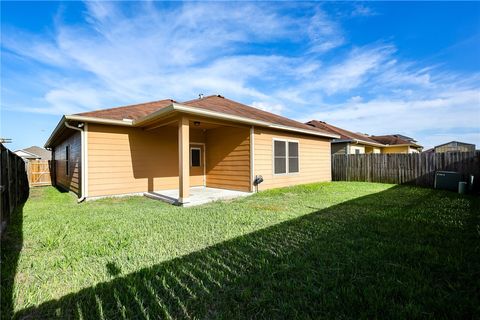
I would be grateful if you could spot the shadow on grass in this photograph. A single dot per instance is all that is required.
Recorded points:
(11, 246)
(394, 254)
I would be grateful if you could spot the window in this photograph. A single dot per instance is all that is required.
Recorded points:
(67, 160)
(285, 157)
(357, 151)
(280, 153)
(195, 156)
(292, 157)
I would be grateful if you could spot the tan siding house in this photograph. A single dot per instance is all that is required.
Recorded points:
(358, 143)
(68, 164)
(212, 142)
(314, 158)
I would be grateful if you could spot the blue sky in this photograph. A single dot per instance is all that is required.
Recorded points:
(379, 68)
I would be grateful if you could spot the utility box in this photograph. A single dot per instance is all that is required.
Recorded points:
(447, 180)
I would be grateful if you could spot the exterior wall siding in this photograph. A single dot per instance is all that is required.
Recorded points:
(314, 159)
(228, 158)
(70, 181)
(131, 160)
(354, 147)
(125, 160)
(403, 149)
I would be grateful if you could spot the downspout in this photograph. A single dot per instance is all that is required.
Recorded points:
(252, 158)
(82, 157)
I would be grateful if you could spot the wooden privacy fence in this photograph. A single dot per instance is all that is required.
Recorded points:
(415, 168)
(14, 187)
(39, 173)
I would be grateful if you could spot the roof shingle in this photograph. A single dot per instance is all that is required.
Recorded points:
(393, 139)
(134, 111)
(221, 104)
(214, 103)
(42, 153)
(344, 134)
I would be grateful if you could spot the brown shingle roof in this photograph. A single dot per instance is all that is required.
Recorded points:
(214, 103)
(393, 139)
(42, 153)
(134, 111)
(344, 134)
(218, 103)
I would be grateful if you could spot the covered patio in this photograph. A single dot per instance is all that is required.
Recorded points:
(205, 159)
(197, 195)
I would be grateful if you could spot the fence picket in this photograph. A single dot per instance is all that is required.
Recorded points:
(13, 185)
(418, 169)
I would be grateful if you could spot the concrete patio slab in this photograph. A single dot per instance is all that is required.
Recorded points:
(198, 195)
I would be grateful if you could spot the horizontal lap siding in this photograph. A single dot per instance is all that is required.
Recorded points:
(71, 181)
(228, 158)
(314, 159)
(403, 149)
(131, 160)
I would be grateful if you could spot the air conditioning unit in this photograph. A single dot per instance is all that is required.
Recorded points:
(447, 180)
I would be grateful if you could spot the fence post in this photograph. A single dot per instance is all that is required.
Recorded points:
(13, 187)
(418, 169)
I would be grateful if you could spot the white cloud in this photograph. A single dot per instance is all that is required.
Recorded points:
(360, 10)
(270, 107)
(149, 53)
(353, 70)
(446, 111)
(154, 53)
(325, 33)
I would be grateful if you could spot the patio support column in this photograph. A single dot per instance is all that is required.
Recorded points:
(183, 159)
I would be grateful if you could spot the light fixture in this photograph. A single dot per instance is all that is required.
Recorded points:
(196, 123)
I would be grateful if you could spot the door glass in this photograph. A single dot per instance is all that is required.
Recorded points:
(195, 157)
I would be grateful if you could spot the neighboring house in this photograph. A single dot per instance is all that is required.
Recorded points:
(349, 142)
(453, 146)
(34, 153)
(397, 143)
(211, 141)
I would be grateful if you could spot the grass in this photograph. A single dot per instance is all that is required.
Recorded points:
(328, 250)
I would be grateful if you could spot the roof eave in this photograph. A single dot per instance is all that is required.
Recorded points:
(30, 153)
(358, 141)
(84, 119)
(374, 144)
(185, 109)
(403, 145)
(54, 132)
(222, 116)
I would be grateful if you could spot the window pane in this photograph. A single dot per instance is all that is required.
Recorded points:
(293, 149)
(292, 165)
(67, 159)
(195, 154)
(280, 166)
(280, 149)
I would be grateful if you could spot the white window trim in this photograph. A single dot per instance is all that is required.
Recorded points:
(204, 159)
(287, 173)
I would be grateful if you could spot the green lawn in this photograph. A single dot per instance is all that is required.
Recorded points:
(331, 250)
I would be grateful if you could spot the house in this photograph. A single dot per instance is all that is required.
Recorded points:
(349, 142)
(359, 143)
(34, 153)
(211, 142)
(453, 146)
(396, 143)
